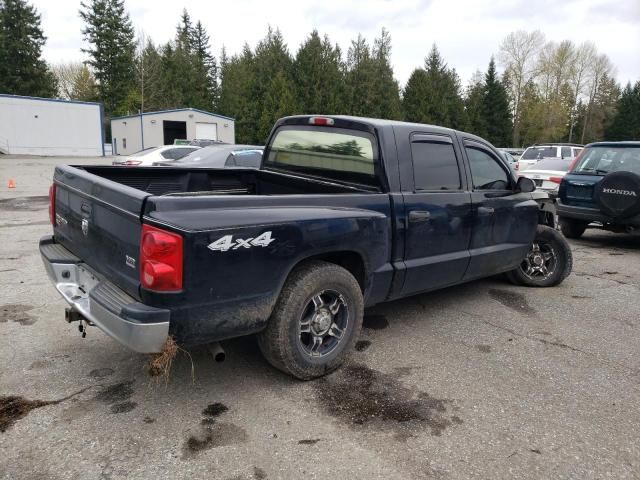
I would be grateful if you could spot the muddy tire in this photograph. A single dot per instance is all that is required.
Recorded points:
(316, 321)
(572, 228)
(548, 262)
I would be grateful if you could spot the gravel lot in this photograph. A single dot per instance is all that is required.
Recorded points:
(484, 380)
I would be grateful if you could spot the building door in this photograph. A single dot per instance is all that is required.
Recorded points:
(206, 131)
(174, 130)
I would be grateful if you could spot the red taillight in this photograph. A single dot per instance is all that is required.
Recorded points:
(132, 163)
(555, 180)
(160, 259)
(52, 204)
(575, 160)
(320, 121)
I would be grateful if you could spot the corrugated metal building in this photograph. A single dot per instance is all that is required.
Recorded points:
(46, 126)
(133, 133)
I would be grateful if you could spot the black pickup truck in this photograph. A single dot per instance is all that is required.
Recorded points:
(344, 213)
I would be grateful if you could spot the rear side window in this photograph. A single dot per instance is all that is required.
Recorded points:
(565, 152)
(486, 171)
(435, 166)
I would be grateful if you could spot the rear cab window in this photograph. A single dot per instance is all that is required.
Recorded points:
(536, 153)
(342, 154)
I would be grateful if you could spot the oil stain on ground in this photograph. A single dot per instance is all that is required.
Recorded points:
(213, 433)
(513, 300)
(362, 345)
(309, 441)
(484, 348)
(117, 396)
(375, 322)
(101, 372)
(15, 312)
(361, 396)
(13, 408)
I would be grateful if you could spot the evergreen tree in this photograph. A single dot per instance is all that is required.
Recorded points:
(271, 58)
(473, 105)
(22, 69)
(206, 66)
(318, 76)
(237, 80)
(495, 110)
(109, 33)
(626, 122)
(359, 79)
(434, 96)
(385, 86)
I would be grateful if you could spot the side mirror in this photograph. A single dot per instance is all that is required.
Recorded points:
(525, 185)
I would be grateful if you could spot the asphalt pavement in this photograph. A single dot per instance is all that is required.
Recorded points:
(484, 380)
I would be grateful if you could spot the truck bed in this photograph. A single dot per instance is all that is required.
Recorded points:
(200, 181)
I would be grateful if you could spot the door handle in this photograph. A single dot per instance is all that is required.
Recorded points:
(416, 216)
(486, 210)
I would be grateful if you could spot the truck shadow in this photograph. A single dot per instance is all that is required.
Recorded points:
(602, 239)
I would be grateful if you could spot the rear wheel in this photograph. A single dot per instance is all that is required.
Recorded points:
(572, 228)
(316, 321)
(547, 263)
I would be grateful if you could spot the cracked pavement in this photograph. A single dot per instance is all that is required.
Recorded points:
(483, 380)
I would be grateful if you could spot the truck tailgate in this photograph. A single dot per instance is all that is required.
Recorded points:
(99, 221)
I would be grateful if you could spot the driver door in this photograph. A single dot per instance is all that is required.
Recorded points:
(504, 221)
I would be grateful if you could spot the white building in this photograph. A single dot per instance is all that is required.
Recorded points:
(46, 126)
(133, 133)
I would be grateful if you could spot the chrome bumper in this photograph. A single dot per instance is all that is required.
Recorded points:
(142, 328)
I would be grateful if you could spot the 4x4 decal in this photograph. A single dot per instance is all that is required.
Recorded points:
(227, 242)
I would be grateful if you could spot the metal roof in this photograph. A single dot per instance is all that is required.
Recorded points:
(42, 99)
(159, 112)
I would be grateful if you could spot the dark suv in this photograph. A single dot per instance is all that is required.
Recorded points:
(603, 187)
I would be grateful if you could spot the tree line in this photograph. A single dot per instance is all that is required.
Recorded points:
(547, 91)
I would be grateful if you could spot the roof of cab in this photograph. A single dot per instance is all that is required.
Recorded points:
(382, 123)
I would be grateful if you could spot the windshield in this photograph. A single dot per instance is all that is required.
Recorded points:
(533, 153)
(602, 160)
(340, 154)
(557, 164)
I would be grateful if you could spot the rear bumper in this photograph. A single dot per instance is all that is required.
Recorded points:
(593, 215)
(140, 327)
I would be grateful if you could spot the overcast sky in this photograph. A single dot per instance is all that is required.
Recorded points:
(467, 32)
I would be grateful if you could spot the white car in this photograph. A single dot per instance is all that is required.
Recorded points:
(146, 157)
(535, 153)
(547, 173)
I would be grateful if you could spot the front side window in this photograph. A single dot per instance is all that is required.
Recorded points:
(342, 154)
(486, 171)
(435, 166)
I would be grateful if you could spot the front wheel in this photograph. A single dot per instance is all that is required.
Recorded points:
(315, 322)
(547, 263)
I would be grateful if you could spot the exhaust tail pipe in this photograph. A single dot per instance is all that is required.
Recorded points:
(217, 352)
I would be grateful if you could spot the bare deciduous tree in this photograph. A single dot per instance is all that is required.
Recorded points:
(518, 55)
